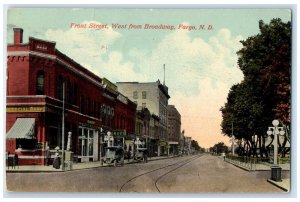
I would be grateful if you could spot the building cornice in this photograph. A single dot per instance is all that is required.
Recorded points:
(58, 60)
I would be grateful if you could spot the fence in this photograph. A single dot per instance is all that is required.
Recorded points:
(251, 163)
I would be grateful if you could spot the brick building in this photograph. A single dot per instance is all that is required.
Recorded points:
(174, 129)
(48, 91)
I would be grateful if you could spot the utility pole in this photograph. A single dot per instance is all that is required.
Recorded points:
(164, 73)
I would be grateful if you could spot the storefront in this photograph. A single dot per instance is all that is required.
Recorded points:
(88, 144)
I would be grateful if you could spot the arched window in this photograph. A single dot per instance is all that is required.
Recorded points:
(40, 80)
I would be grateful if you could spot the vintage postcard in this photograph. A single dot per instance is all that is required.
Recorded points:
(148, 100)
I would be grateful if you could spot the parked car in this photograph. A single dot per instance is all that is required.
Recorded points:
(114, 155)
(141, 154)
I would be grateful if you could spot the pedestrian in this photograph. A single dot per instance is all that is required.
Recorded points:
(128, 155)
(16, 160)
(48, 156)
(56, 161)
(145, 156)
(7, 159)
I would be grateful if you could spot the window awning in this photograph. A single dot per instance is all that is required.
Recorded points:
(23, 128)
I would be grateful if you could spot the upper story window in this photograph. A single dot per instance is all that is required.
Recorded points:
(87, 109)
(135, 95)
(59, 88)
(75, 94)
(144, 95)
(40, 80)
(81, 104)
(68, 91)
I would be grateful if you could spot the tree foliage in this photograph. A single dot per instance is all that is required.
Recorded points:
(264, 94)
(218, 148)
(195, 144)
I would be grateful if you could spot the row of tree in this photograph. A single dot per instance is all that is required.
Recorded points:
(219, 148)
(265, 92)
(195, 144)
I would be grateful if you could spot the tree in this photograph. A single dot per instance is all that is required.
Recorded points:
(195, 144)
(264, 94)
(220, 148)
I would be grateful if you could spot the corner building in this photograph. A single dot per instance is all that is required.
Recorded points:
(48, 91)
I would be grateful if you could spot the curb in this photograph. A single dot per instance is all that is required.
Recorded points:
(76, 169)
(277, 185)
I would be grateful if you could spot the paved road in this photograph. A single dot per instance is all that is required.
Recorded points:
(189, 174)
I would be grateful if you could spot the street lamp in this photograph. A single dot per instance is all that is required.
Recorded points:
(109, 138)
(275, 131)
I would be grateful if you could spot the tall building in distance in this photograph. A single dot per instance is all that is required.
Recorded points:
(174, 129)
(153, 96)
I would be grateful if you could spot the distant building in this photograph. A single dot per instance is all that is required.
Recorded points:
(174, 129)
(153, 96)
(187, 145)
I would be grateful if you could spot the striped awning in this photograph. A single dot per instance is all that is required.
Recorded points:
(23, 128)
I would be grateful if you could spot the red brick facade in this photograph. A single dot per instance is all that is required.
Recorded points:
(37, 76)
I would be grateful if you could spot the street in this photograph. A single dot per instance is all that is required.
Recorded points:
(189, 174)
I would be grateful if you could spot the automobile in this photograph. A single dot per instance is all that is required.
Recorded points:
(114, 155)
(141, 154)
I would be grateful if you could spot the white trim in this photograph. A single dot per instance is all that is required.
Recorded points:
(26, 104)
(26, 96)
(31, 157)
(55, 57)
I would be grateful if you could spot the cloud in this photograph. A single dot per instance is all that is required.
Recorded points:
(92, 49)
(190, 59)
(199, 73)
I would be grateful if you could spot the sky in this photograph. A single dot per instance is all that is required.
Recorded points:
(201, 64)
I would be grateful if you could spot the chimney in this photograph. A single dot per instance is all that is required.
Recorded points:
(18, 35)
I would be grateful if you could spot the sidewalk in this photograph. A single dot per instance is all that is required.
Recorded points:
(76, 166)
(258, 166)
(284, 184)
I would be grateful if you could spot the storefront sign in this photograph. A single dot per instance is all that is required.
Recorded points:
(120, 133)
(109, 85)
(91, 122)
(25, 109)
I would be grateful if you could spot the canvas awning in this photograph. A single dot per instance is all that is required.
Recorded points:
(23, 128)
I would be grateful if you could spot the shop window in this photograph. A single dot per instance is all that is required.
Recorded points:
(40, 80)
(86, 139)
